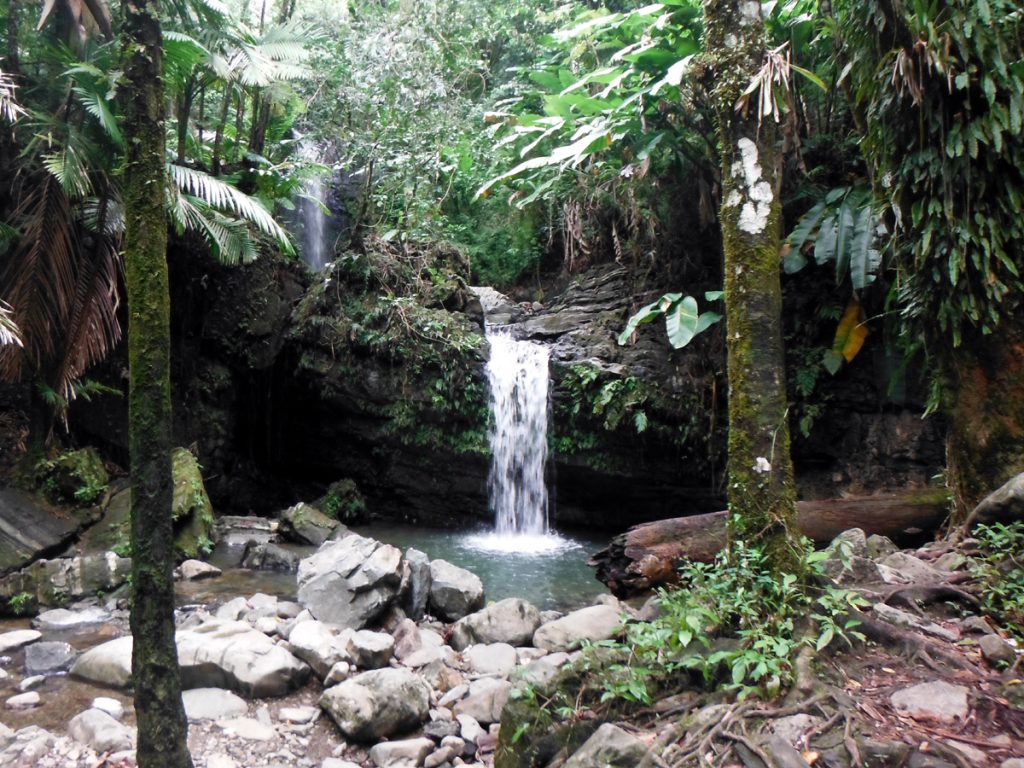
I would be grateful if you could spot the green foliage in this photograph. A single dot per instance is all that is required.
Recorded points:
(732, 623)
(344, 502)
(1000, 572)
(683, 319)
(940, 87)
(21, 603)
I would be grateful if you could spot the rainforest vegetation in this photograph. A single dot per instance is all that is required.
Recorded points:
(806, 184)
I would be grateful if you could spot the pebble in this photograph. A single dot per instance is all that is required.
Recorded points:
(31, 682)
(24, 700)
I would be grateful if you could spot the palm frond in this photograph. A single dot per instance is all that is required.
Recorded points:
(108, 214)
(9, 107)
(66, 166)
(222, 196)
(229, 240)
(9, 333)
(96, 105)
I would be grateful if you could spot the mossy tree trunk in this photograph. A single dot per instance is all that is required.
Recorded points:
(760, 479)
(984, 403)
(162, 727)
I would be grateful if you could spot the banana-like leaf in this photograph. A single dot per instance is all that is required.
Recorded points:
(864, 260)
(683, 318)
(849, 339)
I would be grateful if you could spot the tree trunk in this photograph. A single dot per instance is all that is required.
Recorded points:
(184, 114)
(218, 139)
(162, 727)
(648, 555)
(985, 410)
(13, 64)
(760, 488)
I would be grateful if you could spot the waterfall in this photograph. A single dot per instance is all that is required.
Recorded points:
(314, 223)
(518, 375)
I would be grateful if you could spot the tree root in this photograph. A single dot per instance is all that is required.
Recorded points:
(913, 644)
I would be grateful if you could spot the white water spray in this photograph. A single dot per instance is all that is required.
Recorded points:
(518, 376)
(314, 224)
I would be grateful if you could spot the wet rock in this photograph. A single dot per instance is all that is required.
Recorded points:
(415, 584)
(486, 700)
(100, 731)
(48, 658)
(238, 530)
(377, 704)
(492, 659)
(233, 655)
(24, 700)
(31, 683)
(370, 650)
(109, 663)
(996, 651)
(937, 700)
(67, 579)
(319, 645)
(212, 704)
(305, 524)
(10, 641)
(59, 619)
(609, 747)
(408, 753)
(511, 621)
(879, 546)
(350, 582)
(594, 623)
(454, 591)
(75, 478)
(194, 570)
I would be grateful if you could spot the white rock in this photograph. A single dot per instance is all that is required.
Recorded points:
(298, 714)
(511, 621)
(63, 619)
(407, 753)
(109, 663)
(595, 623)
(100, 731)
(937, 700)
(248, 728)
(494, 659)
(212, 704)
(193, 570)
(24, 700)
(112, 707)
(469, 728)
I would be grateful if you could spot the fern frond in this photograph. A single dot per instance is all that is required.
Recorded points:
(222, 196)
(9, 333)
(9, 107)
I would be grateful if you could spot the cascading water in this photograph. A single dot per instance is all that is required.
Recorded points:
(314, 224)
(518, 375)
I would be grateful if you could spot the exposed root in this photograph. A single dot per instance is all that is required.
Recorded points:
(913, 644)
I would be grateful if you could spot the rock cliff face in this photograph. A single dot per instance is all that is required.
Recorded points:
(374, 370)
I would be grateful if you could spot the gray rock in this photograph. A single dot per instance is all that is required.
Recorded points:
(339, 673)
(10, 641)
(238, 530)
(61, 619)
(98, 730)
(608, 747)
(228, 654)
(48, 658)
(996, 651)
(491, 659)
(408, 753)
(377, 704)
(27, 748)
(28, 530)
(511, 621)
(67, 579)
(879, 546)
(454, 591)
(469, 728)
(350, 582)
(299, 715)
(370, 650)
(938, 700)
(912, 570)
(594, 623)
(782, 753)
(266, 556)
(212, 704)
(486, 700)
(24, 700)
(232, 610)
(248, 728)
(543, 670)
(107, 664)
(194, 570)
(439, 757)
(849, 559)
(319, 645)
(31, 683)
(333, 762)
(112, 707)
(415, 584)
(793, 728)
(1012, 762)
(1004, 504)
(901, 618)
(407, 638)
(305, 524)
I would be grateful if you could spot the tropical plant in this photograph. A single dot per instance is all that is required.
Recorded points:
(683, 318)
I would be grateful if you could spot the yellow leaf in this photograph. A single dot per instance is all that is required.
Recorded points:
(851, 333)
(810, 757)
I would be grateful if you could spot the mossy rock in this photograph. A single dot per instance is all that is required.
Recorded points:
(77, 477)
(305, 524)
(343, 502)
(191, 512)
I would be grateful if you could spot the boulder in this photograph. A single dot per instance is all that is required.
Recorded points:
(238, 530)
(59, 619)
(511, 621)
(305, 524)
(319, 645)
(1003, 505)
(233, 655)
(491, 659)
(415, 584)
(212, 704)
(454, 591)
(370, 650)
(49, 658)
(265, 556)
(595, 623)
(378, 704)
(100, 731)
(194, 570)
(17, 638)
(64, 580)
(77, 478)
(996, 651)
(350, 582)
(486, 700)
(407, 753)
(191, 510)
(849, 559)
(109, 663)
(938, 700)
(609, 747)
(907, 569)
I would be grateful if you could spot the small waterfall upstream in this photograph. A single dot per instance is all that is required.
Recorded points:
(314, 223)
(518, 375)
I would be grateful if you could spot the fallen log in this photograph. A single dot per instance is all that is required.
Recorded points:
(648, 555)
